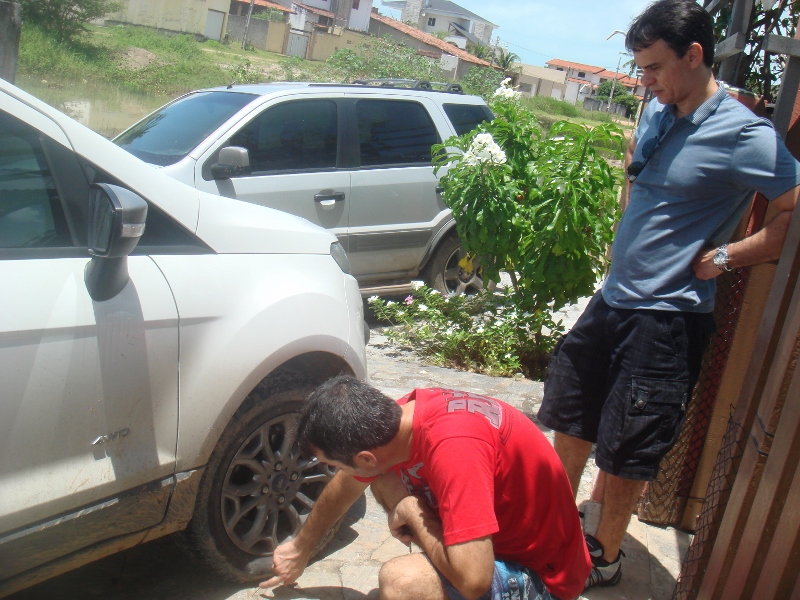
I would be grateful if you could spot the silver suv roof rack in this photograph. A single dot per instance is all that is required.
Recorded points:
(414, 84)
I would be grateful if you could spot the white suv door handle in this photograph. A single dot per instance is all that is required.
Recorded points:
(328, 197)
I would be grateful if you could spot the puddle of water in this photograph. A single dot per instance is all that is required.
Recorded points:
(103, 107)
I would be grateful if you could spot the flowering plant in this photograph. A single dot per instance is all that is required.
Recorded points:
(505, 91)
(487, 332)
(545, 212)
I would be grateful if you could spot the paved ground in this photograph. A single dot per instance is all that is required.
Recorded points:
(348, 568)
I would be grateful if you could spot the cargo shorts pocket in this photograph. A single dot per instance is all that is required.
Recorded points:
(652, 419)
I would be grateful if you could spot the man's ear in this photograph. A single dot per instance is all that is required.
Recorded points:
(695, 55)
(365, 459)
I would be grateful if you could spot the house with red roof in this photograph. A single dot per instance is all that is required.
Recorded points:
(453, 60)
(589, 77)
(462, 26)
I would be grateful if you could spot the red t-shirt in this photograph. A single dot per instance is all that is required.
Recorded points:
(488, 470)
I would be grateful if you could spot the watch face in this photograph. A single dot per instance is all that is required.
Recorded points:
(720, 258)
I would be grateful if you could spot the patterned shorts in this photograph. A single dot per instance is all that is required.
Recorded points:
(511, 581)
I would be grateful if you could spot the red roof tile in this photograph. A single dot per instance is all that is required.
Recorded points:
(268, 4)
(316, 11)
(430, 40)
(623, 79)
(557, 62)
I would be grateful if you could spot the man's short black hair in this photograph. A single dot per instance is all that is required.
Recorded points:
(345, 416)
(680, 23)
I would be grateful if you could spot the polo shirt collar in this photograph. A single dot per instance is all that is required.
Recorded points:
(705, 110)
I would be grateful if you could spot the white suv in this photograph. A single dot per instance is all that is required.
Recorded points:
(155, 345)
(355, 159)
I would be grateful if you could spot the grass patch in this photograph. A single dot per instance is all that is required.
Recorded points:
(41, 54)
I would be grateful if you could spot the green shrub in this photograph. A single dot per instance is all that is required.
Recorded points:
(482, 81)
(381, 58)
(551, 106)
(553, 197)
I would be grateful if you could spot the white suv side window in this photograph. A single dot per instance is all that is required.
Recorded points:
(31, 215)
(393, 132)
(292, 136)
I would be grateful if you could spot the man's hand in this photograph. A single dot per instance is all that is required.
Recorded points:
(703, 265)
(398, 519)
(288, 563)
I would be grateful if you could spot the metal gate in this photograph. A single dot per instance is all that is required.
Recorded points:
(298, 44)
(214, 21)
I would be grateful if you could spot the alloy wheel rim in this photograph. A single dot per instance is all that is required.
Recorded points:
(270, 487)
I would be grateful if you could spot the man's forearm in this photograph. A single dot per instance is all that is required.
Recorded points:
(468, 567)
(337, 497)
(763, 246)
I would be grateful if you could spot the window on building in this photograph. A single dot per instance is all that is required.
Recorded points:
(581, 73)
(355, 4)
(431, 21)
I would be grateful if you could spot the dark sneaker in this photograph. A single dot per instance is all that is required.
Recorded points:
(603, 573)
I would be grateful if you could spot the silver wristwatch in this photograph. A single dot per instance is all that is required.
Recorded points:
(721, 258)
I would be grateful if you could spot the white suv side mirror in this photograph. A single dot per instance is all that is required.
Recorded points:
(116, 222)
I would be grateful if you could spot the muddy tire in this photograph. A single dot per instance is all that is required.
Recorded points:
(258, 488)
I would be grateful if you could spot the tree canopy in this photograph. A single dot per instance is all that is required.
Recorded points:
(65, 19)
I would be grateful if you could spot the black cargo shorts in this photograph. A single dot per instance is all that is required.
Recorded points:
(622, 379)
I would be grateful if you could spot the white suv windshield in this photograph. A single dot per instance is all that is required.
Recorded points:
(168, 135)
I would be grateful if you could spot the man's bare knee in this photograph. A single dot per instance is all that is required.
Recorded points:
(388, 490)
(410, 576)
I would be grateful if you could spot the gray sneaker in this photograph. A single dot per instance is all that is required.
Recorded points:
(603, 573)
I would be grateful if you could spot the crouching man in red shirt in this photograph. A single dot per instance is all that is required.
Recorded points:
(469, 479)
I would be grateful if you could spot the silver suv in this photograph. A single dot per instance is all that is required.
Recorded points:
(355, 159)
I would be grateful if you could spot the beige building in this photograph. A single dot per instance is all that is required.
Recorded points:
(199, 17)
(541, 81)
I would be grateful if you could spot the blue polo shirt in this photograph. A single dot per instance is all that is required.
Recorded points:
(691, 194)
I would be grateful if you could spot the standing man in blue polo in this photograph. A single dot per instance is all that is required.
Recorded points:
(623, 375)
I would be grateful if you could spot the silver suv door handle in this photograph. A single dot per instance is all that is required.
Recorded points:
(328, 197)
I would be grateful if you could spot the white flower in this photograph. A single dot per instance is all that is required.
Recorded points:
(391, 303)
(372, 299)
(484, 149)
(505, 91)
(417, 284)
(435, 292)
(423, 307)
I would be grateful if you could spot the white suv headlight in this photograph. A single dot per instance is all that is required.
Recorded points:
(340, 256)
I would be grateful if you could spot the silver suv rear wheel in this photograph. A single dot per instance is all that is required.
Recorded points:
(445, 274)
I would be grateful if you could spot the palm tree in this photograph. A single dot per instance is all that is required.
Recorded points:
(505, 59)
(480, 51)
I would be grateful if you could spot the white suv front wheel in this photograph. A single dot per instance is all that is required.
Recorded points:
(259, 486)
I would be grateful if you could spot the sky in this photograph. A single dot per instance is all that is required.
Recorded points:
(573, 30)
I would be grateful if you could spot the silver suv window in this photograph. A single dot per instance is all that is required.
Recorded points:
(394, 132)
(296, 135)
(466, 117)
(168, 135)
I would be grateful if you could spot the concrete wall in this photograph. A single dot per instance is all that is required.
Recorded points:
(323, 44)
(264, 35)
(184, 16)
